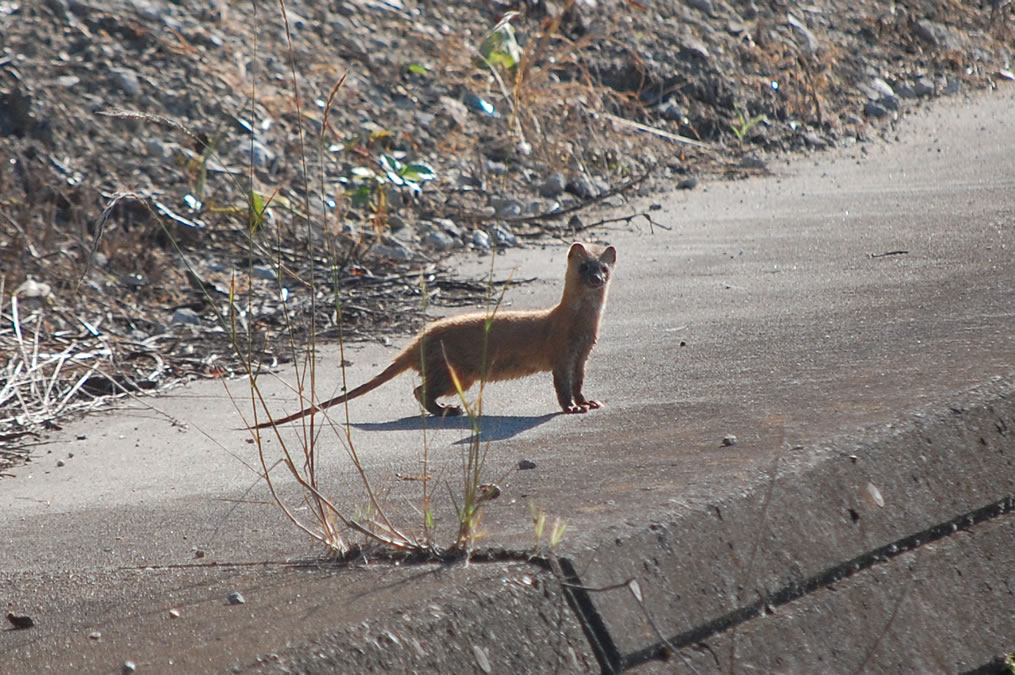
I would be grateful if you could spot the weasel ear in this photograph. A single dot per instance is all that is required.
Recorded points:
(577, 248)
(609, 256)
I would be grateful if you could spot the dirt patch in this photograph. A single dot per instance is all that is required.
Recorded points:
(167, 161)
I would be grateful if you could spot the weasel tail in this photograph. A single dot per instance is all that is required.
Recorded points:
(518, 343)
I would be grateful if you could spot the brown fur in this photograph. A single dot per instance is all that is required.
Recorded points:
(519, 343)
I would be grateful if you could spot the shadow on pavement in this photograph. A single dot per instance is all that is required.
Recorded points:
(491, 427)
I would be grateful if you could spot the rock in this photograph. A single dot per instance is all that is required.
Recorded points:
(526, 464)
(20, 621)
(814, 141)
(255, 151)
(127, 81)
(694, 47)
(688, 183)
(704, 6)
(505, 207)
(393, 251)
(553, 186)
(236, 598)
(923, 87)
(395, 222)
(872, 109)
(439, 240)
(806, 38)
(882, 88)
(449, 226)
(582, 187)
(669, 110)
(890, 102)
(504, 236)
(480, 239)
(185, 316)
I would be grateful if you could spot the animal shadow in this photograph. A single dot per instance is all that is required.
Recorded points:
(491, 427)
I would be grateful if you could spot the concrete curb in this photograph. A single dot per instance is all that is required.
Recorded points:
(850, 557)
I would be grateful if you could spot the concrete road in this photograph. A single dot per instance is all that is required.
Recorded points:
(850, 320)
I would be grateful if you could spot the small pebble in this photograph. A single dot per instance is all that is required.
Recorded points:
(236, 598)
(526, 464)
(729, 440)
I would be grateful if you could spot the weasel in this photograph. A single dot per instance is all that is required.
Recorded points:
(518, 343)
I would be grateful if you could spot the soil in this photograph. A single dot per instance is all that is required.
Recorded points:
(189, 182)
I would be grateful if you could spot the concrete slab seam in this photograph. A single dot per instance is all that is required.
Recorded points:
(661, 651)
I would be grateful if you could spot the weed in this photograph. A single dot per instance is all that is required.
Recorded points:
(743, 125)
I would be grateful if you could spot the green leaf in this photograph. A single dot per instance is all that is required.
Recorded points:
(360, 196)
(418, 172)
(256, 210)
(501, 47)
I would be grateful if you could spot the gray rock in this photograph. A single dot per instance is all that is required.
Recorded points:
(127, 81)
(872, 109)
(923, 87)
(806, 38)
(185, 316)
(693, 46)
(553, 186)
(235, 598)
(883, 89)
(263, 272)
(506, 208)
(393, 251)
(704, 6)
(449, 226)
(890, 102)
(669, 110)
(481, 239)
(504, 236)
(905, 91)
(255, 151)
(439, 240)
(582, 187)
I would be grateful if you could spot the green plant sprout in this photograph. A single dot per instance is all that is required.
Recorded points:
(744, 125)
(500, 46)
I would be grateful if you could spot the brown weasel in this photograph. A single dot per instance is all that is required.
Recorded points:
(518, 343)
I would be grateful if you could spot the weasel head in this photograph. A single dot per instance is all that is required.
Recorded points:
(587, 271)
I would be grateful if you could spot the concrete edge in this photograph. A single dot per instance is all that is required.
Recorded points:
(844, 511)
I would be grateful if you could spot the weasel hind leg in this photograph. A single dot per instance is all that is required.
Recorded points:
(429, 402)
(438, 384)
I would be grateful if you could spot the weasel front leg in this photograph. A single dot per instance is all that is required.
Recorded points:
(567, 382)
(577, 381)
